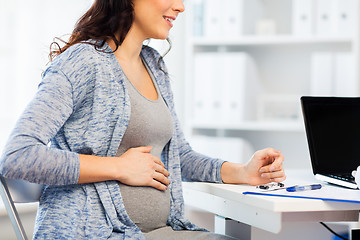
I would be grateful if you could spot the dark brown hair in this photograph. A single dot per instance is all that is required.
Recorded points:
(103, 21)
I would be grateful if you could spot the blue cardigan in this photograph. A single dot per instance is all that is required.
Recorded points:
(82, 106)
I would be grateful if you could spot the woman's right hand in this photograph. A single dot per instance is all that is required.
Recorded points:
(138, 167)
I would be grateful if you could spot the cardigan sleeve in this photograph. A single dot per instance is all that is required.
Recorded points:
(27, 155)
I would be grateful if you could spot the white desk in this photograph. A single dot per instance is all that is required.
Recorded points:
(266, 212)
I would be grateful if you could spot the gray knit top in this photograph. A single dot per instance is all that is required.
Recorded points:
(150, 125)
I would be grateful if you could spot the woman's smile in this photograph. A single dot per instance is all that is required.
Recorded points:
(169, 20)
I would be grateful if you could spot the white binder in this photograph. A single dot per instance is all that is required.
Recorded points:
(198, 17)
(345, 82)
(325, 17)
(205, 71)
(303, 17)
(201, 92)
(232, 17)
(345, 17)
(240, 87)
(322, 74)
(234, 78)
(212, 17)
(225, 88)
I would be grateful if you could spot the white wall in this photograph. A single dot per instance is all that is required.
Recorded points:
(27, 28)
(26, 31)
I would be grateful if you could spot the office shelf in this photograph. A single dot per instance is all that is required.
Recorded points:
(285, 126)
(284, 61)
(269, 40)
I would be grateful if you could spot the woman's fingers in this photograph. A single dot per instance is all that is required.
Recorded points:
(161, 169)
(267, 153)
(275, 165)
(161, 178)
(274, 171)
(281, 179)
(277, 176)
(158, 161)
(160, 166)
(159, 181)
(158, 185)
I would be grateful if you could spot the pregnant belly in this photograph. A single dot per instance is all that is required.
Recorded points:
(147, 207)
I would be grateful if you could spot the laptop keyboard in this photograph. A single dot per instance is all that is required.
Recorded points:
(344, 177)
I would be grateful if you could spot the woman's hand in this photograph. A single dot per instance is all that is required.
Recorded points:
(265, 166)
(138, 167)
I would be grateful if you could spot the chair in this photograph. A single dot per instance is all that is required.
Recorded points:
(18, 191)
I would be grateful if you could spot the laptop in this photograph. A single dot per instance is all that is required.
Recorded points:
(332, 127)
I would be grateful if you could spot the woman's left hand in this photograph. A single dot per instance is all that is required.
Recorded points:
(265, 166)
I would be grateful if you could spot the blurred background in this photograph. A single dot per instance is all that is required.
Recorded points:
(26, 30)
(238, 70)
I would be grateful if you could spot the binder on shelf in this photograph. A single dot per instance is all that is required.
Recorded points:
(198, 17)
(212, 18)
(303, 17)
(321, 83)
(205, 99)
(345, 17)
(325, 17)
(232, 18)
(345, 82)
(223, 18)
(239, 87)
(225, 86)
(333, 74)
(233, 66)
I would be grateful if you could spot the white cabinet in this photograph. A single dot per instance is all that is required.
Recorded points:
(248, 62)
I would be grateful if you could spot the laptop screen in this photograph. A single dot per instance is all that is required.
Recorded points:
(333, 131)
